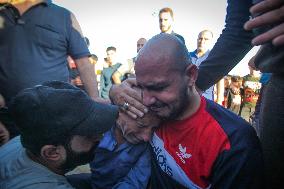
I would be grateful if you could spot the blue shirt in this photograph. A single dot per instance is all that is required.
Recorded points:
(18, 171)
(209, 93)
(34, 46)
(264, 78)
(125, 166)
(106, 80)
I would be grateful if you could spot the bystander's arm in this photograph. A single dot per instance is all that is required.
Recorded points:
(116, 77)
(232, 45)
(88, 76)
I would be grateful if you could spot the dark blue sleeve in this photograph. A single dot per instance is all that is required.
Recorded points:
(126, 166)
(232, 45)
(241, 167)
(77, 47)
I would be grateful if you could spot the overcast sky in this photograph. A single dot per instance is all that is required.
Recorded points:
(120, 23)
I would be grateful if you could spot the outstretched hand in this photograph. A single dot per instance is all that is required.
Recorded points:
(271, 12)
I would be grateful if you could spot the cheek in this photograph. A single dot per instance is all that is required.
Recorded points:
(83, 146)
(168, 96)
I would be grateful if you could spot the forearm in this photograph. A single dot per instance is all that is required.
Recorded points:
(88, 76)
(116, 77)
(232, 45)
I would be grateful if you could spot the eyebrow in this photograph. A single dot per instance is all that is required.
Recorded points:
(151, 84)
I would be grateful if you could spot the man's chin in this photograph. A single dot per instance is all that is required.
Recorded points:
(164, 30)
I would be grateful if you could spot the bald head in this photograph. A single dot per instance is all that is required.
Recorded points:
(163, 50)
(140, 43)
(166, 77)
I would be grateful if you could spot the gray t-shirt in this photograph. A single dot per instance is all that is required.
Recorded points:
(18, 171)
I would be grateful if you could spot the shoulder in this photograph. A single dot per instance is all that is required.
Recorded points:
(236, 129)
(180, 37)
(10, 147)
(58, 9)
(117, 65)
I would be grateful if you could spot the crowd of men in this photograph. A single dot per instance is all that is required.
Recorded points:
(154, 130)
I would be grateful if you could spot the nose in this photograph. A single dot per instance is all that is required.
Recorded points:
(148, 98)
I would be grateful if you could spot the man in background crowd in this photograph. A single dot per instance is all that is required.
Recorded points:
(249, 92)
(127, 70)
(166, 21)
(106, 75)
(202, 51)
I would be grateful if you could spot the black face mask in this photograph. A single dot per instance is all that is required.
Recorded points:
(74, 159)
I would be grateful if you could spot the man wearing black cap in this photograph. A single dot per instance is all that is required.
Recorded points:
(55, 136)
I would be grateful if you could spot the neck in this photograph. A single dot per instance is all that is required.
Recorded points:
(169, 31)
(200, 52)
(45, 163)
(24, 5)
(194, 104)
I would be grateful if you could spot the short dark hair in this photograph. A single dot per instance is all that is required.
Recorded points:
(87, 41)
(167, 9)
(95, 57)
(236, 78)
(111, 48)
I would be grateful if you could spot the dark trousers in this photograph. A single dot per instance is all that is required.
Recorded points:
(272, 135)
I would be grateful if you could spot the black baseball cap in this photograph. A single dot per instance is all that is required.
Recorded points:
(56, 109)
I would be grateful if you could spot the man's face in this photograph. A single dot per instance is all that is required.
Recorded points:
(165, 21)
(140, 44)
(141, 129)
(111, 56)
(165, 91)
(204, 41)
(79, 151)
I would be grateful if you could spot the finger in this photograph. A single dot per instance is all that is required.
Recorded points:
(133, 115)
(270, 17)
(130, 91)
(264, 6)
(278, 41)
(136, 106)
(131, 82)
(269, 35)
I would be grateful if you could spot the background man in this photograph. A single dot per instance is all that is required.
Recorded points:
(127, 70)
(106, 75)
(200, 54)
(166, 20)
(185, 152)
(250, 92)
(55, 137)
(34, 47)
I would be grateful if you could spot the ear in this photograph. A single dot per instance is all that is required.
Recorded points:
(52, 153)
(191, 72)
